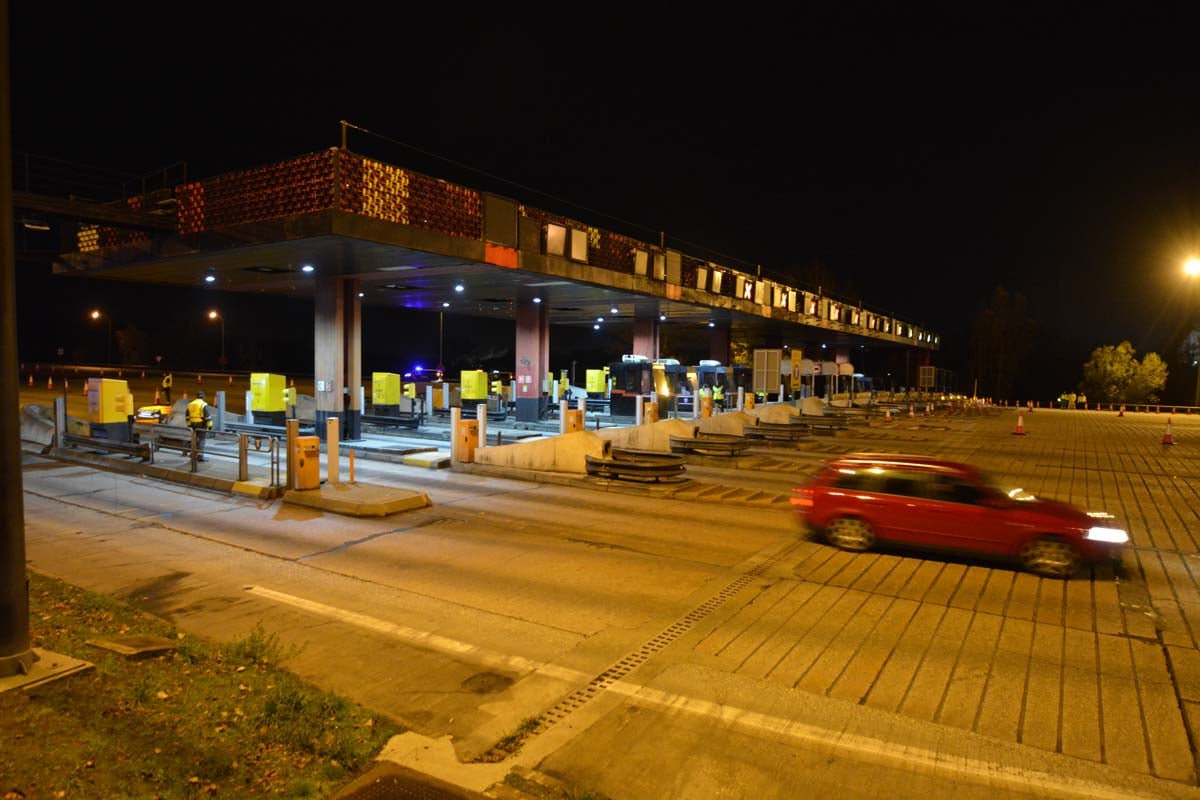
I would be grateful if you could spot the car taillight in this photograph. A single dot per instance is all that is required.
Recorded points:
(802, 499)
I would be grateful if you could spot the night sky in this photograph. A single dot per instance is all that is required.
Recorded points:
(921, 157)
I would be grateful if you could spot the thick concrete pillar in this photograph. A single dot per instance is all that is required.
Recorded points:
(532, 348)
(337, 323)
(718, 342)
(329, 366)
(352, 343)
(645, 330)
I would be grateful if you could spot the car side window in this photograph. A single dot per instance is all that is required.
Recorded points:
(903, 485)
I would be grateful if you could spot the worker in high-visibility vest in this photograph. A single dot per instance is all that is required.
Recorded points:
(198, 419)
(167, 381)
(719, 397)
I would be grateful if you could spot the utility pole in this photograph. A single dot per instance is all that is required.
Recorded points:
(16, 655)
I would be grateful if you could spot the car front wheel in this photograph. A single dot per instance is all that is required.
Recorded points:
(849, 533)
(1051, 558)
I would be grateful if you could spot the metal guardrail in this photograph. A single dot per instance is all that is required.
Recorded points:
(710, 444)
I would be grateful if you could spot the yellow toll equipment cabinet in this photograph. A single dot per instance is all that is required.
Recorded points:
(385, 393)
(474, 384)
(110, 409)
(308, 462)
(268, 397)
(573, 421)
(649, 413)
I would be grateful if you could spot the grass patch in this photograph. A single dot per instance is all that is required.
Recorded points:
(204, 720)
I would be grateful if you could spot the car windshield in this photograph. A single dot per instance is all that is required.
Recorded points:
(1011, 492)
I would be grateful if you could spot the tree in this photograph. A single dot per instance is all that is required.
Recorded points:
(1114, 375)
(1001, 340)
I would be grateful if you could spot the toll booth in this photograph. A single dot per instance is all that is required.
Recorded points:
(675, 392)
(596, 383)
(110, 409)
(632, 377)
(385, 394)
(269, 398)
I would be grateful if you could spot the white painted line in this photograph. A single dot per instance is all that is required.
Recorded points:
(865, 748)
(432, 641)
(906, 757)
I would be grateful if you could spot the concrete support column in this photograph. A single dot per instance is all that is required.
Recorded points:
(532, 349)
(718, 342)
(645, 330)
(329, 370)
(337, 372)
(352, 344)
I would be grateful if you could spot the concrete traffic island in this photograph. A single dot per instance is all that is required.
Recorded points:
(358, 499)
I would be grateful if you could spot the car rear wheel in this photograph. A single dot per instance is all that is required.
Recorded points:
(1049, 557)
(850, 533)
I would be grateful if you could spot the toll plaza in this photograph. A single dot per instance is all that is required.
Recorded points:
(351, 231)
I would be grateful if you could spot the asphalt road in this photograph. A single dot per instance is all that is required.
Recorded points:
(676, 648)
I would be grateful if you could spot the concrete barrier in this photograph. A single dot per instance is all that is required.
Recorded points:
(37, 424)
(565, 453)
(654, 437)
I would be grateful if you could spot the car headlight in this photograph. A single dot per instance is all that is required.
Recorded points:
(1110, 535)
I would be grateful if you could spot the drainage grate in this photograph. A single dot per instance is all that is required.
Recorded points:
(576, 699)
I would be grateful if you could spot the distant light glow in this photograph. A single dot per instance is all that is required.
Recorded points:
(712, 324)
(213, 314)
(596, 326)
(96, 314)
(599, 319)
(360, 294)
(458, 287)
(1191, 267)
(537, 299)
(662, 317)
(209, 278)
(307, 268)
(613, 310)
(445, 304)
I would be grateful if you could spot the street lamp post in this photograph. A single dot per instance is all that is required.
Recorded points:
(1191, 270)
(216, 315)
(97, 314)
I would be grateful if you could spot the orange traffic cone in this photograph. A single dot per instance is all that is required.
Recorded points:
(199, 379)
(1121, 413)
(185, 395)
(1020, 431)
(31, 379)
(910, 411)
(66, 386)
(231, 380)
(50, 382)
(887, 415)
(85, 388)
(1167, 438)
(156, 401)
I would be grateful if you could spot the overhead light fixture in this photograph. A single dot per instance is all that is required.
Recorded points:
(662, 317)
(599, 319)
(34, 225)
(445, 304)
(209, 278)
(360, 294)
(613, 310)
(307, 268)
(458, 287)
(537, 299)
(712, 324)
(596, 326)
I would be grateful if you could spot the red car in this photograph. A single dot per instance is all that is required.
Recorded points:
(859, 499)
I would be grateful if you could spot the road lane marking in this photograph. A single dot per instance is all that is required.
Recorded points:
(432, 641)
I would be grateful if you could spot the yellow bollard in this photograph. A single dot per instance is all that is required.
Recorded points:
(352, 465)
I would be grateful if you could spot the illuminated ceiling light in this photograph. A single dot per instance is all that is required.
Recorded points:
(1191, 266)
(712, 324)
(458, 287)
(213, 314)
(613, 310)
(596, 326)
(599, 319)
(445, 304)
(662, 317)
(537, 299)
(307, 268)
(360, 294)
(96, 314)
(209, 278)
(822, 345)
